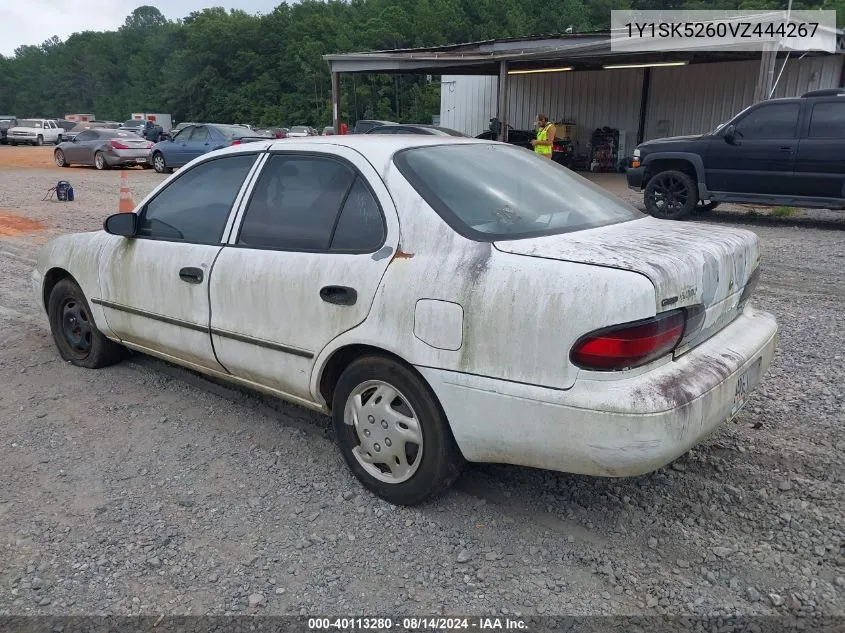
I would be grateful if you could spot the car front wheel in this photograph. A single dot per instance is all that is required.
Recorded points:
(670, 195)
(100, 161)
(60, 159)
(74, 331)
(39, 141)
(393, 433)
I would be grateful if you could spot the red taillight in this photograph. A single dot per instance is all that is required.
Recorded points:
(118, 145)
(150, 144)
(630, 344)
(237, 141)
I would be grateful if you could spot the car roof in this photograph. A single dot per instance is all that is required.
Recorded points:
(378, 149)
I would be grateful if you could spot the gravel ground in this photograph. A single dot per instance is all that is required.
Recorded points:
(147, 489)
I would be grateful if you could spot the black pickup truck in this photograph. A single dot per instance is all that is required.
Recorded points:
(779, 152)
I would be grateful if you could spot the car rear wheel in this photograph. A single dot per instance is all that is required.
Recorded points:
(39, 141)
(74, 331)
(670, 195)
(100, 161)
(393, 433)
(13, 144)
(159, 164)
(60, 159)
(58, 139)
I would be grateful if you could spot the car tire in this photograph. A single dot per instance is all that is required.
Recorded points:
(100, 161)
(160, 165)
(59, 157)
(703, 207)
(412, 425)
(670, 195)
(58, 139)
(39, 141)
(13, 144)
(74, 331)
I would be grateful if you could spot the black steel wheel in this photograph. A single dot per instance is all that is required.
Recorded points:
(74, 331)
(670, 195)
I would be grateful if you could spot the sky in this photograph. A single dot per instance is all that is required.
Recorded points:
(33, 21)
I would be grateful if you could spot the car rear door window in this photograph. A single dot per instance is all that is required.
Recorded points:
(195, 206)
(828, 120)
(360, 227)
(295, 203)
(199, 134)
(771, 121)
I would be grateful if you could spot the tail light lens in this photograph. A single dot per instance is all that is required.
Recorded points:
(150, 144)
(630, 345)
(237, 141)
(118, 145)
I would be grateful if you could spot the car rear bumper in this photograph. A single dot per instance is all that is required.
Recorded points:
(128, 157)
(635, 177)
(607, 426)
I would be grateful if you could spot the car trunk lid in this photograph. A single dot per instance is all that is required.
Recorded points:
(688, 263)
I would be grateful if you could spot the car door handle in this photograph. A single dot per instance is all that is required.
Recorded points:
(191, 275)
(340, 295)
(786, 148)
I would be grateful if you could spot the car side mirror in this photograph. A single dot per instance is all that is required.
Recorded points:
(122, 224)
(730, 135)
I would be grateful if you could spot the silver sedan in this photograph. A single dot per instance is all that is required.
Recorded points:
(104, 148)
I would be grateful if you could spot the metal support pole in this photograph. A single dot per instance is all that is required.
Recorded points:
(766, 74)
(336, 102)
(503, 101)
(644, 104)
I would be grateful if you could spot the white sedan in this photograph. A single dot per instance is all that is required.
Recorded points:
(442, 299)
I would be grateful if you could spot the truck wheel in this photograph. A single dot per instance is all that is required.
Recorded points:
(39, 141)
(58, 139)
(13, 144)
(670, 195)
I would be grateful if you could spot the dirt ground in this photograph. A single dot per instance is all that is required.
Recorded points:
(145, 488)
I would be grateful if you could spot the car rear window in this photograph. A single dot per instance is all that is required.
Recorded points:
(493, 191)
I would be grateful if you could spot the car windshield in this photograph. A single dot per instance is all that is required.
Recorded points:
(491, 192)
(133, 123)
(30, 123)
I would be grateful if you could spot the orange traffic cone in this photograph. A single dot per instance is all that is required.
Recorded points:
(127, 205)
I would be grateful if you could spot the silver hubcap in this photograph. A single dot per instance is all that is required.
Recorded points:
(159, 163)
(60, 159)
(99, 161)
(391, 442)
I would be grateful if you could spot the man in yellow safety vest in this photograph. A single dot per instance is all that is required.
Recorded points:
(544, 142)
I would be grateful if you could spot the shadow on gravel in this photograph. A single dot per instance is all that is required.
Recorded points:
(836, 223)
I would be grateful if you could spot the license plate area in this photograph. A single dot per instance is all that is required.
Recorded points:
(746, 382)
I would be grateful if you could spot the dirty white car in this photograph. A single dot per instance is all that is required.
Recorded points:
(443, 299)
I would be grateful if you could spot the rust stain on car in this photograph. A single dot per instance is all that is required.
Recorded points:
(400, 254)
(12, 225)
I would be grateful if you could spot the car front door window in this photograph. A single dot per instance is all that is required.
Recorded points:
(771, 121)
(195, 206)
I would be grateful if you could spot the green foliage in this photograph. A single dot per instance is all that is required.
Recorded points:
(229, 66)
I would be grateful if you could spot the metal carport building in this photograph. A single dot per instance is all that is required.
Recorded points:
(578, 76)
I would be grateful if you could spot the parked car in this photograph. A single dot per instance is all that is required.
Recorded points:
(66, 125)
(34, 132)
(104, 148)
(298, 131)
(431, 130)
(562, 151)
(365, 125)
(195, 140)
(89, 125)
(328, 130)
(145, 129)
(778, 152)
(423, 294)
(6, 121)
